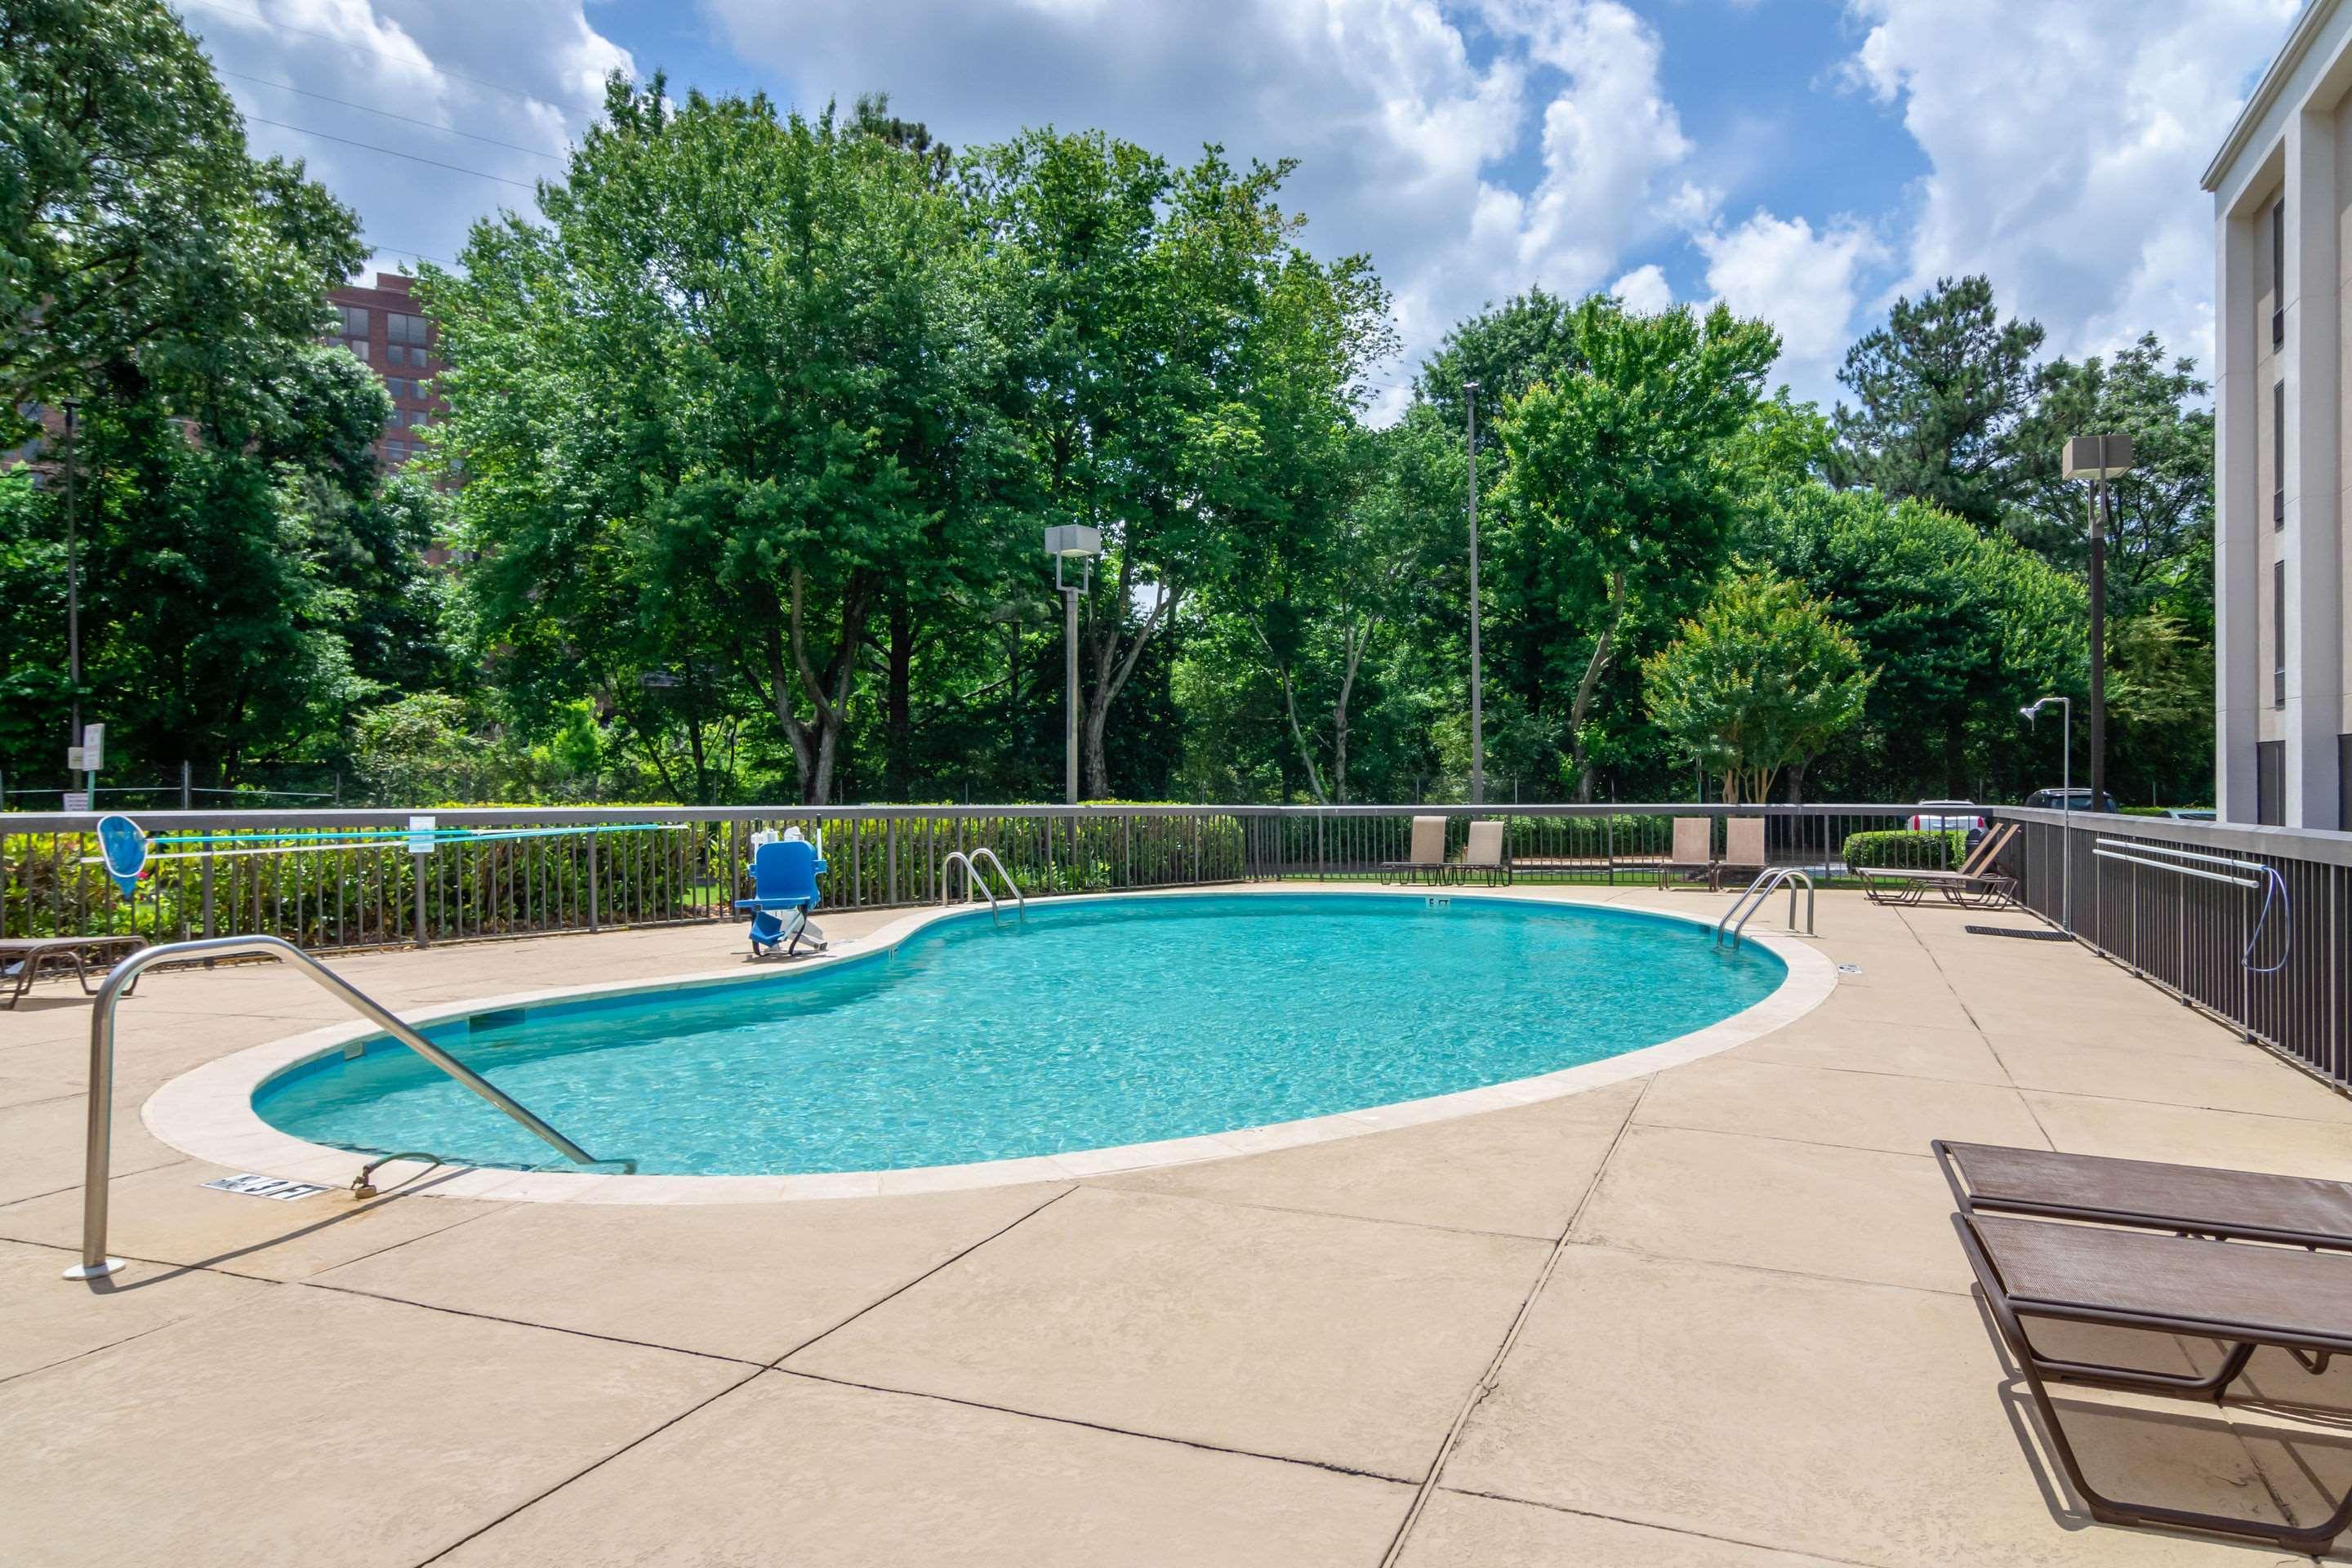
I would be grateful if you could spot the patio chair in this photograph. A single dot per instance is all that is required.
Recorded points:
(1976, 883)
(1485, 854)
(1427, 854)
(1693, 853)
(2198, 1200)
(1743, 846)
(783, 894)
(2243, 1295)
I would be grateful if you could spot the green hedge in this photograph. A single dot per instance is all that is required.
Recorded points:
(1906, 849)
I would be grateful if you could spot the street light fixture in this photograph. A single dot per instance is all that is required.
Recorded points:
(2099, 458)
(1477, 702)
(1072, 541)
(2032, 711)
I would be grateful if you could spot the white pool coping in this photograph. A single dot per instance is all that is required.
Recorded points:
(208, 1112)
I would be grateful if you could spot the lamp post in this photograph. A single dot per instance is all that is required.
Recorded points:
(2031, 712)
(1477, 695)
(73, 584)
(2098, 458)
(1072, 541)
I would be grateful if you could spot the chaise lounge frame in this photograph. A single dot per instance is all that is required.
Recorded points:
(1973, 884)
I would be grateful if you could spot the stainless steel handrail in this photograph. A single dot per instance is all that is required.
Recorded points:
(94, 1262)
(1761, 889)
(973, 887)
(976, 885)
(1020, 899)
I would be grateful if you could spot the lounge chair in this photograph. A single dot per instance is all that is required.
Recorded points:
(1693, 853)
(1427, 855)
(2248, 1205)
(1743, 846)
(783, 894)
(1485, 854)
(21, 959)
(1977, 882)
(2242, 1294)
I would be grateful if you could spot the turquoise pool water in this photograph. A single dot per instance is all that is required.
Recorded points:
(1100, 1022)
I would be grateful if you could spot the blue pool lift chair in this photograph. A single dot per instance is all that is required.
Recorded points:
(783, 894)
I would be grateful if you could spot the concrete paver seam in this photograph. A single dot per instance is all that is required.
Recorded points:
(957, 1256)
(1667, 1529)
(521, 1322)
(1488, 1379)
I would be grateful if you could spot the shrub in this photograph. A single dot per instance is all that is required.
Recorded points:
(1905, 848)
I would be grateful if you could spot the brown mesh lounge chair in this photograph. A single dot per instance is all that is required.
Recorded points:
(1693, 853)
(1743, 846)
(2242, 1294)
(1427, 855)
(1483, 855)
(2247, 1206)
(1977, 882)
(21, 961)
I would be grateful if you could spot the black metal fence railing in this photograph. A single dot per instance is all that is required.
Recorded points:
(378, 895)
(2197, 928)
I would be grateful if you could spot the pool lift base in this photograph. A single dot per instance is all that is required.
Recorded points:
(363, 1185)
(94, 1270)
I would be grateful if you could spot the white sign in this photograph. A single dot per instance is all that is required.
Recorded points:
(73, 760)
(93, 747)
(420, 835)
(76, 800)
(251, 1186)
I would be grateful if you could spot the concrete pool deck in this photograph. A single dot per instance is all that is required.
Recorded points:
(1713, 1316)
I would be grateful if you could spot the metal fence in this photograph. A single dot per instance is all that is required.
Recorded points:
(880, 857)
(2157, 896)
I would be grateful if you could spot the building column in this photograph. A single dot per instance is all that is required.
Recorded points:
(2238, 510)
(2310, 543)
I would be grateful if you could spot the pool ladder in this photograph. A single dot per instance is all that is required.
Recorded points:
(95, 1264)
(1735, 919)
(975, 885)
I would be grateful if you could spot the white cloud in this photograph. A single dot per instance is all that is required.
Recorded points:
(2066, 142)
(1644, 291)
(1807, 284)
(521, 77)
(1402, 134)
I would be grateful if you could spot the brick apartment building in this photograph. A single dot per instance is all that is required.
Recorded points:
(386, 326)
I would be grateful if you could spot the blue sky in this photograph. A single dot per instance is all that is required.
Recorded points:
(1802, 160)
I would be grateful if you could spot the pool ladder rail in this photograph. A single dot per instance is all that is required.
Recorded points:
(1735, 919)
(976, 885)
(95, 1264)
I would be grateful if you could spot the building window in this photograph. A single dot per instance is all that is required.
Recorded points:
(2278, 634)
(2278, 272)
(395, 453)
(404, 328)
(355, 320)
(358, 346)
(2278, 453)
(2269, 782)
(397, 354)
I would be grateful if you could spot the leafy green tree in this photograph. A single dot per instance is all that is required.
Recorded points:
(2163, 508)
(135, 233)
(1506, 349)
(1759, 680)
(1940, 394)
(1961, 628)
(1620, 495)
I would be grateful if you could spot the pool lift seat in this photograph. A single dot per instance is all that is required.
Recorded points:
(783, 893)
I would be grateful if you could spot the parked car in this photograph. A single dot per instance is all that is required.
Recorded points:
(2192, 813)
(2076, 799)
(1948, 816)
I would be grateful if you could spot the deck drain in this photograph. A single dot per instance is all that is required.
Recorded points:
(2024, 934)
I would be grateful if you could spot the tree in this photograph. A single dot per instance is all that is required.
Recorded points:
(2163, 506)
(135, 233)
(1506, 349)
(1941, 392)
(1761, 680)
(1962, 629)
(1620, 490)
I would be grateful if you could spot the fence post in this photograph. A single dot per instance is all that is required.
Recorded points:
(891, 853)
(188, 783)
(592, 910)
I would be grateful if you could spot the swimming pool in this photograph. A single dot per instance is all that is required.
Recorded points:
(1100, 1022)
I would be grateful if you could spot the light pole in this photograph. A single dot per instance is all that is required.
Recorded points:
(2098, 458)
(1477, 695)
(1072, 541)
(73, 584)
(2032, 711)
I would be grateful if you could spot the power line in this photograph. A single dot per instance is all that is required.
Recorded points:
(389, 152)
(397, 250)
(418, 59)
(405, 120)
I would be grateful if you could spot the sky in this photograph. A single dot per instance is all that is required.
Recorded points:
(1806, 161)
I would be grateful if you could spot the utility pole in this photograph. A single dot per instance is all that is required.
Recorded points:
(1477, 693)
(73, 584)
(2098, 458)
